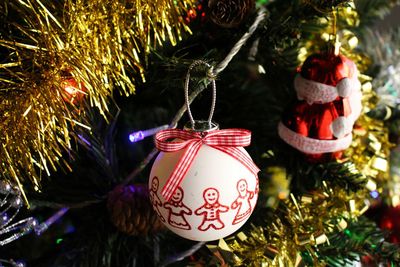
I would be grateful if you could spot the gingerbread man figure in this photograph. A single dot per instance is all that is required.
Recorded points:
(154, 197)
(177, 211)
(211, 210)
(242, 202)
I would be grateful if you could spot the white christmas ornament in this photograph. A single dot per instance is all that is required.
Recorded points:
(203, 184)
(216, 197)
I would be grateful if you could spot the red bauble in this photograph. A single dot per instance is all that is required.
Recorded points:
(390, 220)
(196, 12)
(72, 91)
(328, 102)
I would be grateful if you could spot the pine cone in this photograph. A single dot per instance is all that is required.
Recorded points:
(131, 211)
(229, 13)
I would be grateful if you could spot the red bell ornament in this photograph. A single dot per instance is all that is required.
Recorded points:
(320, 122)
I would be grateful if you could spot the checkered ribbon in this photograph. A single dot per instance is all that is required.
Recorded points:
(227, 141)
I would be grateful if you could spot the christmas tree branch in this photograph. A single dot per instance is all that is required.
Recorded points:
(183, 255)
(236, 48)
(360, 238)
(211, 75)
(141, 166)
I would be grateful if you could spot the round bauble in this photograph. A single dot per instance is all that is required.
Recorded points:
(73, 91)
(215, 198)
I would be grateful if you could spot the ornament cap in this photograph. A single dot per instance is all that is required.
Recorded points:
(201, 126)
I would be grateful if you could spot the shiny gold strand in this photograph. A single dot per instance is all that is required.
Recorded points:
(347, 15)
(370, 148)
(99, 44)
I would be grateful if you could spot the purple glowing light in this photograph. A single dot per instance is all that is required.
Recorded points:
(41, 228)
(374, 194)
(4, 219)
(136, 136)
(140, 135)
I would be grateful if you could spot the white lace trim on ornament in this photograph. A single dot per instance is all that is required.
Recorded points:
(311, 145)
(315, 92)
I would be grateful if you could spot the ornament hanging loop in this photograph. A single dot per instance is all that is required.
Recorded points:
(201, 125)
(334, 42)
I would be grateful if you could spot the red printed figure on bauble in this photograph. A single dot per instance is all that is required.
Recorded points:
(154, 197)
(211, 210)
(177, 211)
(242, 202)
(319, 122)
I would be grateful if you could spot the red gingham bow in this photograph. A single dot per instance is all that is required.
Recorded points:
(227, 141)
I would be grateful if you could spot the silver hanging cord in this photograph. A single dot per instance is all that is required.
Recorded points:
(214, 92)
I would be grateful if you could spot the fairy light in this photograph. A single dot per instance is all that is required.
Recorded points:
(41, 228)
(374, 194)
(12, 263)
(140, 135)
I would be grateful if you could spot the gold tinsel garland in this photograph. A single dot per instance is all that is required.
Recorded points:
(99, 45)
